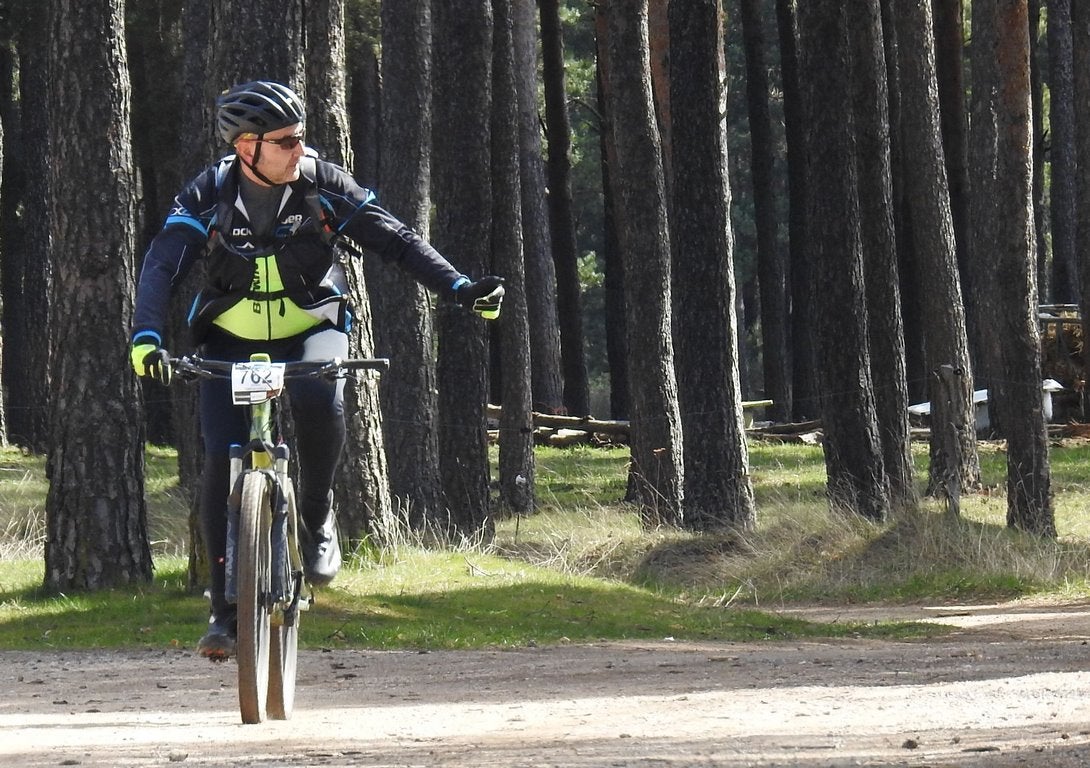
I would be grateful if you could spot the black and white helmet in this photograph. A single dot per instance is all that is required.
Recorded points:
(257, 107)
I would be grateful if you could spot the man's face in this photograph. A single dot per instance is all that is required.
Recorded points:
(280, 153)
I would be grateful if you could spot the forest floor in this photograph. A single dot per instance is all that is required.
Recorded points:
(1010, 686)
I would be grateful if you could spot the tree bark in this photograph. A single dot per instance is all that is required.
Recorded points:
(1029, 497)
(1061, 118)
(949, 45)
(853, 455)
(96, 519)
(541, 297)
(3, 410)
(718, 491)
(404, 324)
(258, 40)
(462, 185)
(879, 239)
(9, 119)
(1080, 34)
(656, 474)
(942, 314)
(658, 41)
(984, 213)
(516, 459)
(27, 277)
(804, 397)
(365, 103)
(362, 488)
(196, 122)
(1040, 158)
(772, 276)
(911, 314)
(613, 264)
(561, 218)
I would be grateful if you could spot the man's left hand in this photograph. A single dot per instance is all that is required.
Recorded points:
(483, 296)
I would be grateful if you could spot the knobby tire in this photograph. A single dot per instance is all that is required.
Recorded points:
(254, 577)
(284, 643)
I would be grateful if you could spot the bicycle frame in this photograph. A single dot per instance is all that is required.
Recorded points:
(264, 456)
(264, 567)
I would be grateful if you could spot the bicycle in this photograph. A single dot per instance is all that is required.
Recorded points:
(264, 565)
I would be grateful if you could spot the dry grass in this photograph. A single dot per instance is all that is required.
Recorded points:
(801, 553)
(799, 550)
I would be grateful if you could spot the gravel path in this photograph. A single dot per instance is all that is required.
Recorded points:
(1010, 687)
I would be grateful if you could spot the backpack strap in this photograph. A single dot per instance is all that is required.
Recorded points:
(224, 208)
(308, 169)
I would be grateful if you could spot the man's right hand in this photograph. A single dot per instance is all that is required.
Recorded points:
(150, 360)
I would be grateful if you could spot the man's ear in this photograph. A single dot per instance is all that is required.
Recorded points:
(245, 150)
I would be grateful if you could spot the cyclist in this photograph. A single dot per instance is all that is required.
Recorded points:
(267, 221)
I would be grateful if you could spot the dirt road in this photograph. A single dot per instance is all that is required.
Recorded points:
(1010, 687)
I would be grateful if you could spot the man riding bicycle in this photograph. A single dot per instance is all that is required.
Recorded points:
(267, 220)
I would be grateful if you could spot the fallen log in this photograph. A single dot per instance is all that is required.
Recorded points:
(581, 423)
(788, 429)
(608, 426)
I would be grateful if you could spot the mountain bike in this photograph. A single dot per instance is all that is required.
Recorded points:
(264, 565)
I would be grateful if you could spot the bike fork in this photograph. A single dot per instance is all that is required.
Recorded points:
(234, 502)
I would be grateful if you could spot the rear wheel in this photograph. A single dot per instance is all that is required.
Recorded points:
(284, 643)
(254, 587)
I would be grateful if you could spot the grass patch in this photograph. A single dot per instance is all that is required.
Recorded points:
(582, 568)
(428, 600)
(157, 615)
(802, 552)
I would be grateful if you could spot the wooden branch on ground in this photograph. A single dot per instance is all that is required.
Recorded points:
(581, 423)
(556, 430)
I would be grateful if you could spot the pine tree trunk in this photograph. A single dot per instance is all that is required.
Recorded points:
(404, 324)
(1040, 159)
(462, 186)
(983, 211)
(772, 274)
(718, 491)
(1029, 497)
(3, 410)
(516, 464)
(804, 399)
(362, 489)
(27, 277)
(942, 314)
(949, 72)
(96, 520)
(853, 455)
(545, 355)
(258, 40)
(197, 124)
(612, 263)
(880, 269)
(562, 223)
(1080, 33)
(656, 474)
(1061, 118)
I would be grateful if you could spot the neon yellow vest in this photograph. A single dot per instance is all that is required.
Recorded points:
(277, 317)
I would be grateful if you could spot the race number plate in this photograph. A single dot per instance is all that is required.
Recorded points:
(255, 382)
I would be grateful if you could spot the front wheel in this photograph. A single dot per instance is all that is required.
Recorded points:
(254, 588)
(285, 636)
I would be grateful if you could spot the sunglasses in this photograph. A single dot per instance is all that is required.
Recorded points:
(287, 143)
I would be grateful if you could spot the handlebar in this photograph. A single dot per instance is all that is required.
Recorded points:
(192, 367)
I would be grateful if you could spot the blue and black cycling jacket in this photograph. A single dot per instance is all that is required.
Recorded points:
(285, 284)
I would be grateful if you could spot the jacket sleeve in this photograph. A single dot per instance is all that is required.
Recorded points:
(172, 253)
(377, 230)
